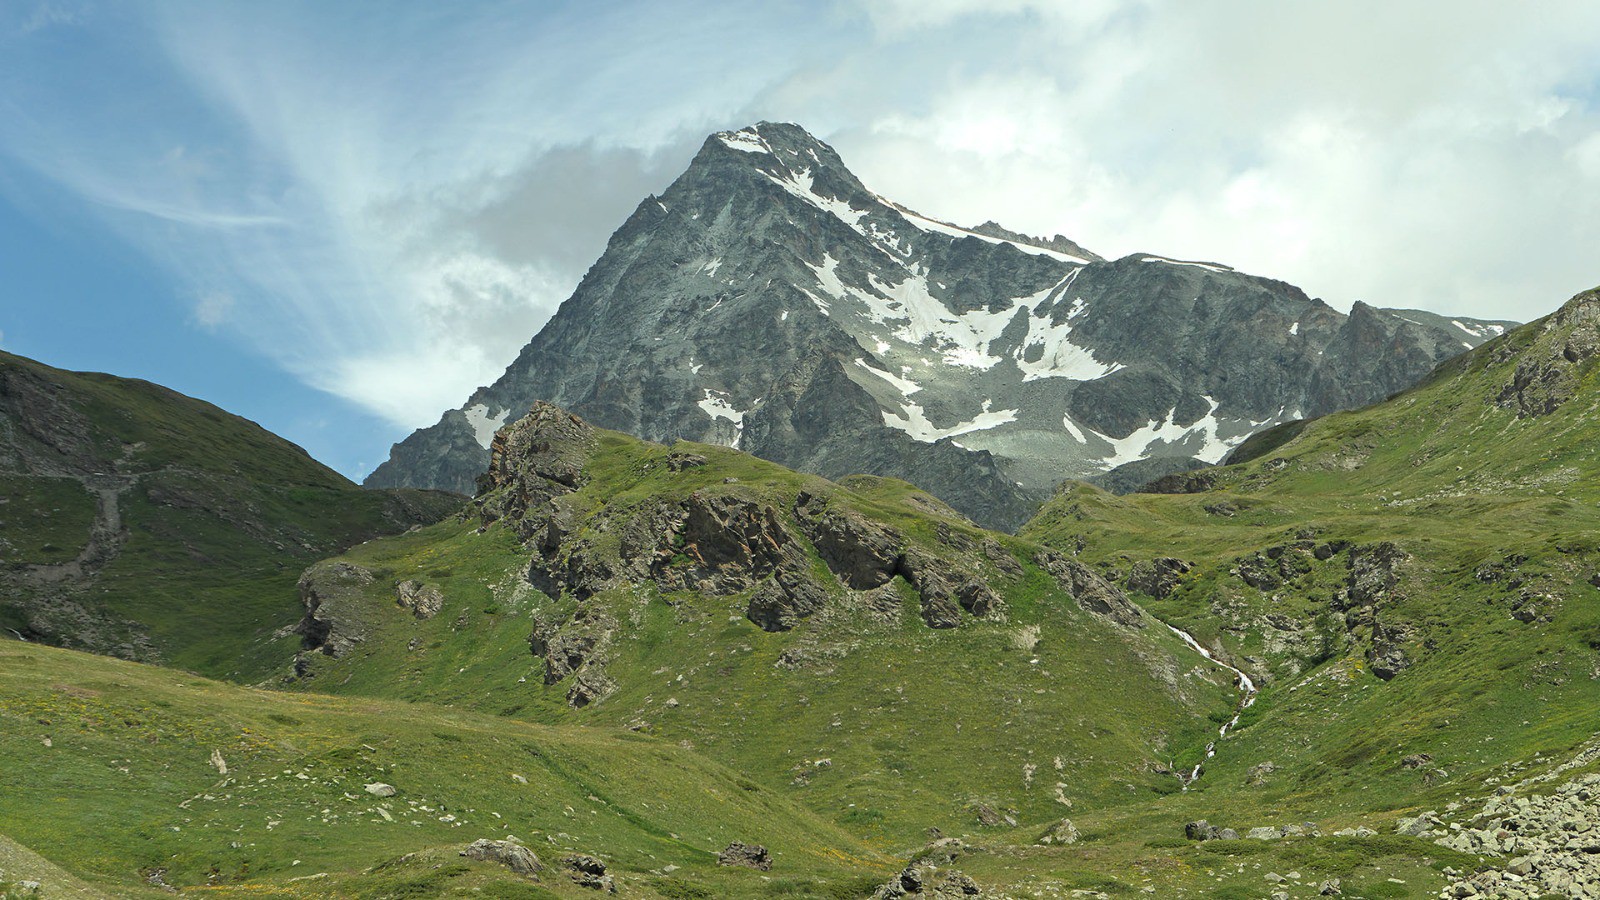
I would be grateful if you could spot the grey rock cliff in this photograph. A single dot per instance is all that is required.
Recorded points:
(769, 300)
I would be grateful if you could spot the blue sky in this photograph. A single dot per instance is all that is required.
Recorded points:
(338, 219)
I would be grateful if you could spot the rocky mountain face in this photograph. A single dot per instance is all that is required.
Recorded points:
(770, 301)
(139, 522)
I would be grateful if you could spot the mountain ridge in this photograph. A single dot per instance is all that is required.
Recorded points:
(985, 365)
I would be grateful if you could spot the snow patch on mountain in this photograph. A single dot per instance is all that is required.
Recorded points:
(1484, 330)
(1213, 267)
(1139, 444)
(484, 425)
(748, 141)
(914, 421)
(918, 220)
(905, 386)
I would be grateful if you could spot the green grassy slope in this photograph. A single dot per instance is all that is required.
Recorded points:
(1495, 606)
(110, 774)
(861, 713)
(143, 523)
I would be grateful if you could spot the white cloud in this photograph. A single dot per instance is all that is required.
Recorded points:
(1367, 150)
(391, 207)
(212, 309)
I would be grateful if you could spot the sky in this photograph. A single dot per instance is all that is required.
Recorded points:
(339, 219)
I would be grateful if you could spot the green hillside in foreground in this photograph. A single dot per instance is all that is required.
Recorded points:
(681, 647)
(1416, 584)
(140, 522)
(112, 772)
(858, 648)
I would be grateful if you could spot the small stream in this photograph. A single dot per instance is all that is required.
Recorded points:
(1245, 684)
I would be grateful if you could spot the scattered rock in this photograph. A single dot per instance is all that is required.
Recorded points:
(1157, 577)
(510, 854)
(1416, 761)
(379, 789)
(1330, 888)
(424, 600)
(753, 856)
(942, 850)
(989, 817)
(928, 883)
(1263, 833)
(1419, 826)
(586, 871)
(679, 460)
(1258, 773)
(1062, 832)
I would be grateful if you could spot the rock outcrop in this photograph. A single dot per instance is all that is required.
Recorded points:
(423, 600)
(866, 556)
(510, 854)
(1370, 592)
(1547, 371)
(1091, 591)
(751, 856)
(576, 649)
(1157, 577)
(589, 872)
(333, 594)
(920, 881)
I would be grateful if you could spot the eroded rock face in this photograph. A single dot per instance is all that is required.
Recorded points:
(532, 462)
(332, 594)
(1092, 592)
(1547, 373)
(577, 649)
(864, 554)
(1157, 577)
(733, 543)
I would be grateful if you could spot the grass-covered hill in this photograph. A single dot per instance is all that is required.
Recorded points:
(857, 648)
(644, 653)
(1416, 584)
(140, 522)
(140, 780)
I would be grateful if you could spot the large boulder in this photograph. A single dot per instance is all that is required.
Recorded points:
(423, 600)
(753, 856)
(510, 854)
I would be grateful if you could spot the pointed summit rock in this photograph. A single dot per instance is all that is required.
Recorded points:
(770, 301)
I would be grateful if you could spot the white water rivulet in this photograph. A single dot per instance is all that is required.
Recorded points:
(1246, 685)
